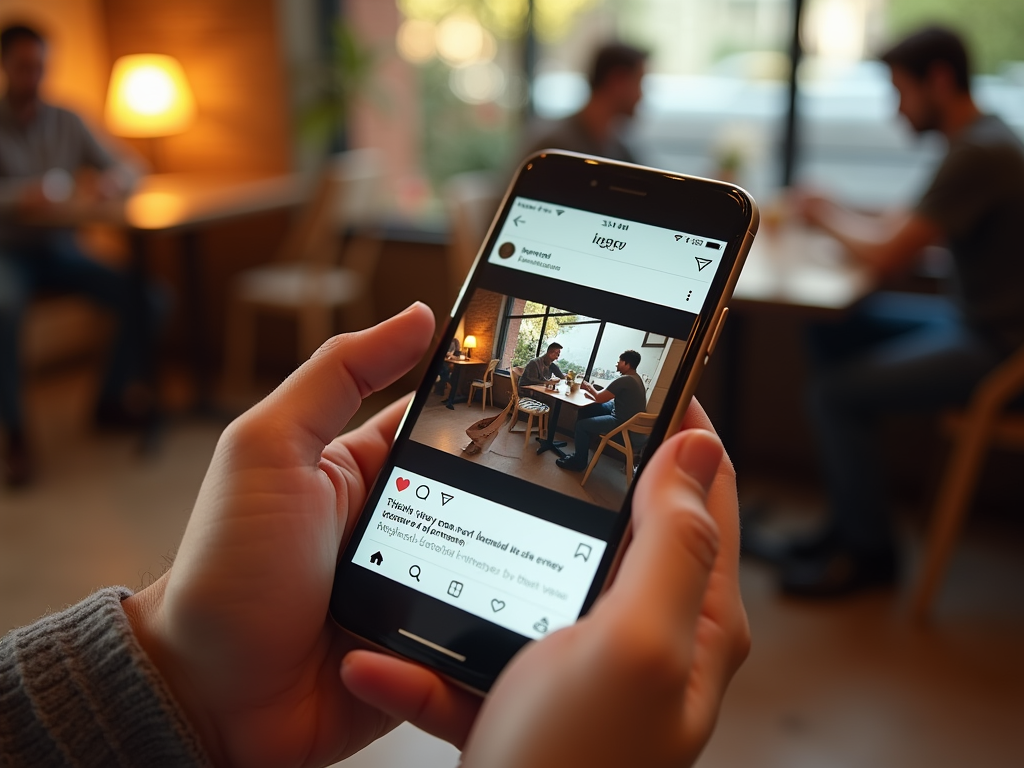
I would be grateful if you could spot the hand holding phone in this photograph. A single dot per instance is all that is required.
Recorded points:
(619, 273)
(236, 626)
(633, 682)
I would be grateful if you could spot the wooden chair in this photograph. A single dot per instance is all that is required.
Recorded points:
(985, 422)
(485, 385)
(310, 279)
(641, 424)
(530, 407)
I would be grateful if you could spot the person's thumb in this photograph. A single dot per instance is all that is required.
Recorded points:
(664, 573)
(316, 402)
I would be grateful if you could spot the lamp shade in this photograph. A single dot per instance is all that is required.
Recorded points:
(469, 342)
(149, 96)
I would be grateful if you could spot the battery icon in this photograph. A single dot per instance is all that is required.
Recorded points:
(716, 246)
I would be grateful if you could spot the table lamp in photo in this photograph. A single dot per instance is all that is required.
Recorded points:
(469, 344)
(149, 98)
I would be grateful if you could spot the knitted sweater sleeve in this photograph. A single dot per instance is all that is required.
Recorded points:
(77, 690)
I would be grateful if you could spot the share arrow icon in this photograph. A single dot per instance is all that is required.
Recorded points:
(678, 238)
(701, 263)
(445, 498)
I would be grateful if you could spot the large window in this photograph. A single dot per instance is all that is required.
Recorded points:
(450, 87)
(590, 347)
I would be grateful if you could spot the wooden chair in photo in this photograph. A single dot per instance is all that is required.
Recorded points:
(311, 280)
(485, 385)
(641, 424)
(984, 423)
(532, 408)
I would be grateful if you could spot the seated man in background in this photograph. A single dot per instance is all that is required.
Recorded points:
(903, 352)
(541, 369)
(42, 147)
(620, 401)
(615, 89)
(444, 374)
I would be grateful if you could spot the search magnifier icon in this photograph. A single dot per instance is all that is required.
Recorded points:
(415, 572)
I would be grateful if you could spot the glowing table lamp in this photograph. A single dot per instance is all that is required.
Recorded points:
(469, 344)
(149, 97)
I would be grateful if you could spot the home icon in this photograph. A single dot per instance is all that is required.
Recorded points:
(376, 558)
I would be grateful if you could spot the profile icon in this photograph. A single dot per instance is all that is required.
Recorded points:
(507, 250)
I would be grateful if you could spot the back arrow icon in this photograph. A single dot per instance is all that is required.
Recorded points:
(517, 220)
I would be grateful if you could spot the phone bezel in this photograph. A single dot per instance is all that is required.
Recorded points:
(374, 607)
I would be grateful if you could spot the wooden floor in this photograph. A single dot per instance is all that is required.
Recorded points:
(510, 453)
(828, 685)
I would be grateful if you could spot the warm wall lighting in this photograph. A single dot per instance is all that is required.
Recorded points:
(149, 97)
(469, 344)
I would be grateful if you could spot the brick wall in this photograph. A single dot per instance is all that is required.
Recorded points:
(481, 320)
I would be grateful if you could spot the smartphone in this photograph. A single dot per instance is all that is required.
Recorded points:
(473, 541)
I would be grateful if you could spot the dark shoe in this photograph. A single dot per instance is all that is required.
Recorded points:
(837, 573)
(758, 540)
(19, 468)
(448, 405)
(812, 545)
(571, 463)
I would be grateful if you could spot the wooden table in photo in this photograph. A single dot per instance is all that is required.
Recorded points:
(456, 379)
(560, 395)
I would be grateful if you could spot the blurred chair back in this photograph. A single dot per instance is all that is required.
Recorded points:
(985, 422)
(471, 200)
(314, 275)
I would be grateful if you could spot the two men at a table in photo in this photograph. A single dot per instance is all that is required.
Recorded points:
(623, 398)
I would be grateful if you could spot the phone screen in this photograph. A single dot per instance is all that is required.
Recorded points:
(472, 513)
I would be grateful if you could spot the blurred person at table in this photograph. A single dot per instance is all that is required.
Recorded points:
(616, 74)
(42, 148)
(903, 352)
(541, 369)
(445, 375)
(623, 398)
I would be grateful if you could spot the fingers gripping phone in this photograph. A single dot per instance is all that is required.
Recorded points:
(583, 328)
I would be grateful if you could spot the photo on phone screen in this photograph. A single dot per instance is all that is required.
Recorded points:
(474, 540)
(589, 350)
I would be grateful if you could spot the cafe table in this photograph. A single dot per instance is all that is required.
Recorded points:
(791, 270)
(184, 205)
(560, 394)
(457, 364)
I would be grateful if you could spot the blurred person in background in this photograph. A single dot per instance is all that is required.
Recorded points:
(616, 77)
(42, 149)
(903, 352)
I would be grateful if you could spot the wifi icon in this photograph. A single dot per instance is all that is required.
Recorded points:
(559, 212)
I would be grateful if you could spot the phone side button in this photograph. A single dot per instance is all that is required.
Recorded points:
(434, 646)
(718, 330)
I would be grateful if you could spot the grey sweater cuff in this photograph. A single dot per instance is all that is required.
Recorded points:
(76, 689)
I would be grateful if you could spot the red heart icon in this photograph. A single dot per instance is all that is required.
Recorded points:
(402, 483)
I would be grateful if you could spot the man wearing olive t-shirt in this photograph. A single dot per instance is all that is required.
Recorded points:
(904, 352)
(621, 400)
